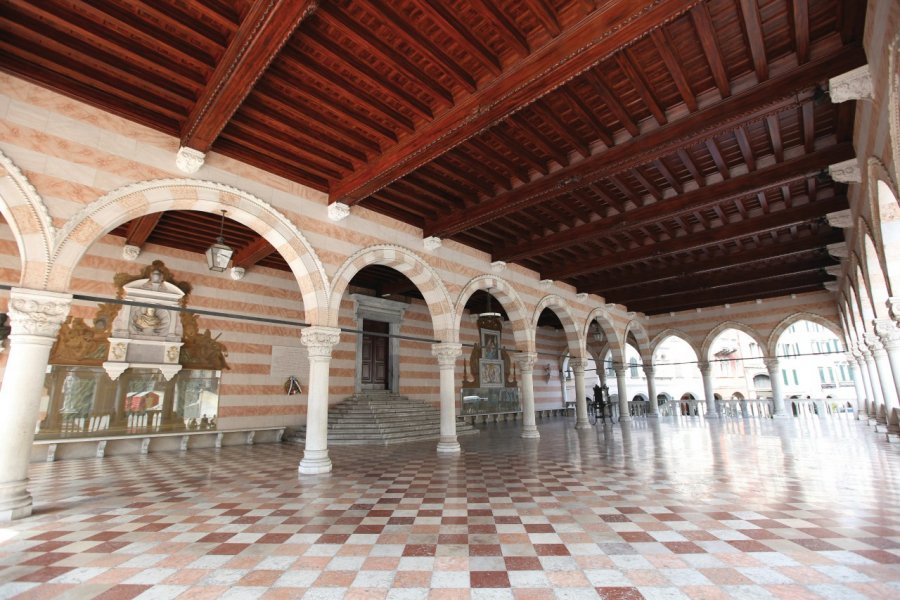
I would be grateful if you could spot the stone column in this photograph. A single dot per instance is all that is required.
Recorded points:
(861, 397)
(651, 390)
(706, 372)
(581, 419)
(624, 414)
(318, 341)
(877, 399)
(525, 362)
(885, 376)
(773, 365)
(889, 334)
(447, 354)
(35, 317)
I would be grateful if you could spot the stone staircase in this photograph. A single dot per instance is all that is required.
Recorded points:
(382, 418)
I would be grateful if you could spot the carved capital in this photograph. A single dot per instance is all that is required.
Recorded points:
(649, 371)
(237, 273)
(432, 243)
(888, 332)
(873, 341)
(37, 312)
(773, 365)
(546, 284)
(130, 253)
(841, 218)
(498, 266)
(705, 367)
(582, 296)
(320, 340)
(845, 172)
(189, 160)
(578, 364)
(525, 361)
(852, 85)
(446, 353)
(893, 305)
(338, 211)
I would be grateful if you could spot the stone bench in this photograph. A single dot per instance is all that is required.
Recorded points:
(51, 450)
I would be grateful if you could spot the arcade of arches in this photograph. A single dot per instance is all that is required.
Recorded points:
(71, 174)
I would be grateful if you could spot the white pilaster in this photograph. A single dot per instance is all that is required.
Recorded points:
(773, 365)
(624, 414)
(319, 342)
(525, 363)
(706, 372)
(581, 420)
(650, 372)
(447, 354)
(35, 317)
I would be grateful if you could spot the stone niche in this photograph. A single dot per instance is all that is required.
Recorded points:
(147, 335)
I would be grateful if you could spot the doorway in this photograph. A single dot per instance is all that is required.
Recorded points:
(375, 356)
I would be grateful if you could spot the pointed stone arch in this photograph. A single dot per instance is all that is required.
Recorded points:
(876, 282)
(714, 333)
(671, 332)
(885, 203)
(558, 305)
(414, 267)
(28, 219)
(794, 318)
(138, 199)
(642, 340)
(601, 316)
(508, 298)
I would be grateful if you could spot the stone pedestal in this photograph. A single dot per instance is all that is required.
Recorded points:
(318, 341)
(525, 363)
(35, 320)
(447, 355)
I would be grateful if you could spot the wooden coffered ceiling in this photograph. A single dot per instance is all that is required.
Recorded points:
(665, 154)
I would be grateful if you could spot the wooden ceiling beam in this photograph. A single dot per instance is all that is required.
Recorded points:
(576, 49)
(446, 191)
(589, 116)
(716, 155)
(539, 140)
(464, 37)
(695, 282)
(756, 103)
(740, 134)
(810, 245)
(691, 166)
(385, 52)
(140, 229)
(707, 34)
(262, 33)
(241, 152)
(801, 29)
(480, 169)
(491, 154)
(640, 84)
(564, 131)
(648, 185)
(771, 222)
(252, 253)
(807, 113)
(493, 13)
(546, 16)
(330, 47)
(413, 36)
(753, 29)
(262, 144)
(664, 44)
(519, 150)
(605, 92)
(609, 199)
(317, 157)
(664, 170)
(774, 129)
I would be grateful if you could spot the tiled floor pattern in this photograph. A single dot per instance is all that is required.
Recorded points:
(753, 509)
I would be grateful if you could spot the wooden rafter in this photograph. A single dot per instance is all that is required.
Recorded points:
(139, 230)
(260, 36)
(753, 29)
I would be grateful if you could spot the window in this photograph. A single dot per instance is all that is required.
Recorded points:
(843, 372)
(796, 381)
(822, 375)
(830, 375)
(784, 376)
(633, 368)
(609, 367)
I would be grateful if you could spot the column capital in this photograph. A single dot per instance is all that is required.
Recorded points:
(705, 367)
(649, 370)
(620, 370)
(320, 340)
(525, 361)
(578, 364)
(37, 312)
(772, 364)
(446, 353)
(893, 304)
(888, 332)
(873, 341)
(852, 85)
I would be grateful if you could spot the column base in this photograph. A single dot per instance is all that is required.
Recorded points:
(582, 424)
(781, 416)
(448, 446)
(652, 415)
(626, 419)
(713, 415)
(15, 501)
(531, 432)
(315, 462)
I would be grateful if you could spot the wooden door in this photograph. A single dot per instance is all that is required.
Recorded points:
(375, 355)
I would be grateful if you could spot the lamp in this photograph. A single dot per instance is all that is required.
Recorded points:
(219, 255)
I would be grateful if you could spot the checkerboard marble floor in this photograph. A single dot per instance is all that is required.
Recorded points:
(675, 509)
